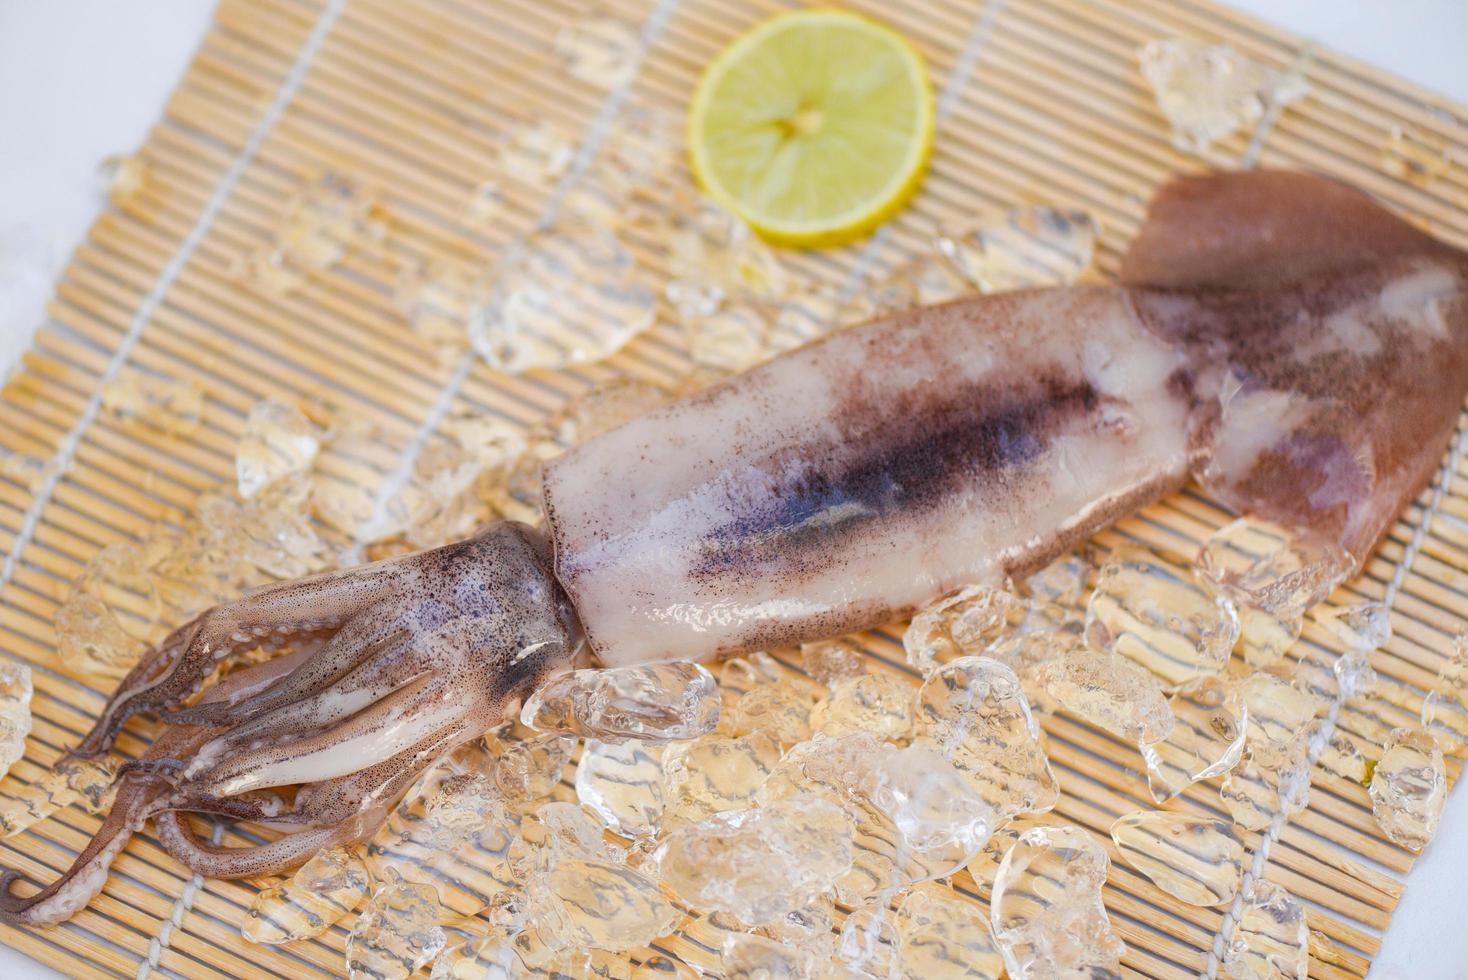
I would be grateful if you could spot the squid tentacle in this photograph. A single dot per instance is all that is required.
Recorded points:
(363, 798)
(183, 843)
(341, 811)
(180, 665)
(140, 794)
(291, 723)
(375, 733)
(68, 894)
(358, 640)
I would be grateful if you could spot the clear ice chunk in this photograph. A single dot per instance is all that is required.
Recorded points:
(455, 837)
(1194, 859)
(1040, 639)
(845, 770)
(1277, 715)
(602, 905)
(660, 967)
(943, 934)
(1342, 758)
(530, 770)
(491, 949)
(1109, 692)
(730, 338)
(569, 295)
(278, 442)
(85, 782)
(320, 224)
(831, 661)
(1031, 245)
(1445, 709)
(657, 702)
(1272, 938)
(1264, 566)
(749, 957)
(644, 147)
(535, 153)
(554, 832)
(1409, 787)
(963, 623)
(1210, 721)
(1415, 157)
(125, 176)
(1046, 909)
(110, 611)
(623, 783)
(804, 317)
(1265, 637)
(397, 934)
(868, 940)
(1063, 581)
(600, 51)
(169, 405)
(782, 710)
(436, 297)
(943, 820)
(716, 772)
(15, 711)
(28, 471)
(759, 864)
(811, 927)
(1151, 611)
(975, 712)
(321, 892)
(878, 703)
(1268, 785)
(918, 282)
(1360, 628)
(711, 250)
(985, 865)
(1209, 92)
(741, 675)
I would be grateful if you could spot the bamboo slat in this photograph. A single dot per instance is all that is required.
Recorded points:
(1039, 100)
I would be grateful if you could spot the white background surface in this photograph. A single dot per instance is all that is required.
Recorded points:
(83, 79)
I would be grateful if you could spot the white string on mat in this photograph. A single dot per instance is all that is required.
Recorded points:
(596, 134)
(66, 452)
(1230, 922)
(174, 922)
(1304, 58)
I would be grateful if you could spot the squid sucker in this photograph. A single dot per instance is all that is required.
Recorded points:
(1299, 351)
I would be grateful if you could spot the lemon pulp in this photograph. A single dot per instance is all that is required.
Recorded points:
(814, 127)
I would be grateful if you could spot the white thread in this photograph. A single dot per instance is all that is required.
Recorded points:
(953, 85)
(66, 451)
(1272, 111)
(596, 134)
(175, 918)
(1318, 742)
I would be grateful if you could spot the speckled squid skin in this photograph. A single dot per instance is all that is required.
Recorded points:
(1300, 350)
(843, 484)
(1328, 340)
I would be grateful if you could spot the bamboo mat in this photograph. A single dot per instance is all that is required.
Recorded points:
(1040, 100)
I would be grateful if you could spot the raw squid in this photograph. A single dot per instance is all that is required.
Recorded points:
(1298, 350)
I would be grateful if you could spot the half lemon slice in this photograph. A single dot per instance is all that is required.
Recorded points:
(814, 127)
